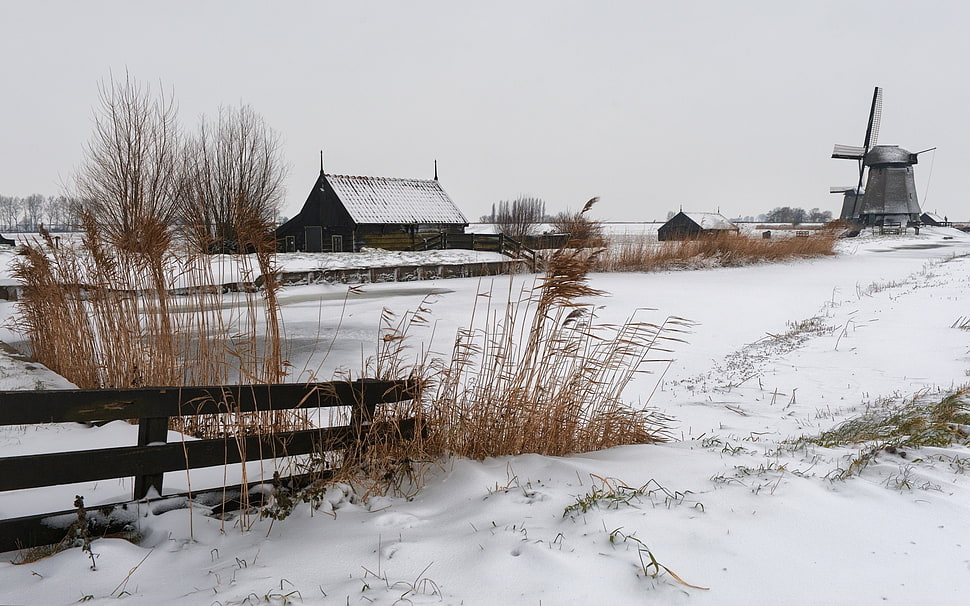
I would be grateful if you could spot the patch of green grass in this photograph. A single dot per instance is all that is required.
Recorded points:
(913, 423)
(611, 493)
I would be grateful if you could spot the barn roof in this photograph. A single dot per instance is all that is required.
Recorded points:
(390, 200)
(710, 220)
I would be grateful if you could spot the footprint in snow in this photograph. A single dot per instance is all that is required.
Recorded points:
(397, 520)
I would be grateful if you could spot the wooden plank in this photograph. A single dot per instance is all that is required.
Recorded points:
(150, 431)
(50, 528)
(52, 469)
(57, 406)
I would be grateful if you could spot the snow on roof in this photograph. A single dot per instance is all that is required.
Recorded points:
(391, 200)
(711, 220)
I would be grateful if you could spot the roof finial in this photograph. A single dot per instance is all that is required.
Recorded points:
(436, 169)
(321, 161)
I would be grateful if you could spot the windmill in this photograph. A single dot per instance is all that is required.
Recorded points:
(853, 196)
(889, 197)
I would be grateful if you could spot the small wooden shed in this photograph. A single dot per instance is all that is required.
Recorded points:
(346, 213)
(934, 220)
(688, 226)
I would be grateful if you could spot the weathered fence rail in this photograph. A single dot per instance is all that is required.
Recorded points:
(152, 456)
(401, 273)
(499, 243)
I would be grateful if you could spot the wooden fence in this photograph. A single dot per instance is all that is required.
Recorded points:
(398, 273)
(147, 461)
(499, 243)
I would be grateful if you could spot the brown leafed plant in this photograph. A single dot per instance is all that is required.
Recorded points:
(536, 372)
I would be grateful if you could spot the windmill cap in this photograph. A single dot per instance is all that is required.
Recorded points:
(890, 154)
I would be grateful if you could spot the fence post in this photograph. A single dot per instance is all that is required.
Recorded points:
(361, 417)
(151, 430)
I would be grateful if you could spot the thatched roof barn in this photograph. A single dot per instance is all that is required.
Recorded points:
(345, 213)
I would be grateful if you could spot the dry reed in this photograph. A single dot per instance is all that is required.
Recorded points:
(534, 371)
(108, 318)
(645, 254)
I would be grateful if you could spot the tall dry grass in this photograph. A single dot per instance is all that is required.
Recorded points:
(645, 254)
(535, 371)
(104, 317)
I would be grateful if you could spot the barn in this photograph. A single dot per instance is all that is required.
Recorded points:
(688, 226)
(934, 220)
(346, 213)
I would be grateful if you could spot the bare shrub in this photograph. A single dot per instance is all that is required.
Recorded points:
(583, 231)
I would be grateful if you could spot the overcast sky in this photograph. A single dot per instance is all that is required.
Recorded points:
(653, 106)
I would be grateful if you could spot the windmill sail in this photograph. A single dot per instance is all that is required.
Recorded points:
(848, 152)
(872, 130)
(875, 117)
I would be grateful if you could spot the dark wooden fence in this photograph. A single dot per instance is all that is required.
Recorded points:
(499, 243)
(147, 461)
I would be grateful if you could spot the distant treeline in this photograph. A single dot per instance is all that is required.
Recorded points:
(788, 214)
(27, 214)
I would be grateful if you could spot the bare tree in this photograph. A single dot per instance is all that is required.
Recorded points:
(33, 211)
(235, 173)
(128, 184)
(818, 216)
(10, 210)
(786, 214)
(234, 184)
(520, 217)
(57, 211)
(129, 177)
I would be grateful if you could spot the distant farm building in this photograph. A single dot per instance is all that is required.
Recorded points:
(690, 226)
(344, 214)
(934, 220)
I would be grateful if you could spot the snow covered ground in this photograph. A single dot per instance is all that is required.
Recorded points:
(779, 351)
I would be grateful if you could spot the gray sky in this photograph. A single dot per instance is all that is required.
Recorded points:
(651, 105)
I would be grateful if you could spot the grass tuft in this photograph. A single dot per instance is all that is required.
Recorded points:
(887, 427)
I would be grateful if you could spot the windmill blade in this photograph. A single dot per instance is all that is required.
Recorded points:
(875, 117)
(841, 189)
(848, 152)
(872, 131)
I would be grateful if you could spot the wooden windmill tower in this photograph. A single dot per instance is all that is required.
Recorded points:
(889, 196)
